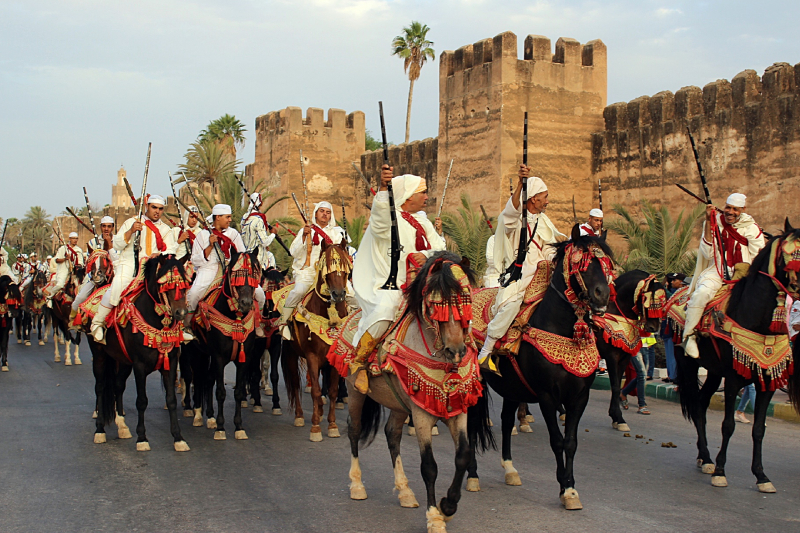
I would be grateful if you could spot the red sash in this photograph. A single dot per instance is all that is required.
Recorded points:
(733, 243)
(319, 233)
(191, 237)
(422, 237)
(224, 242)
(589, 230)
(262, 216)
(159, 240)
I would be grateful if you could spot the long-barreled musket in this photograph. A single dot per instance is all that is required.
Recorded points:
(344, 222)
(444, 191)
(130, 192)
(486, 218)
(251, 203)
(309, 243)
(600, 198)
(202, 219)
(363, 177)
(514, 270)
(693, 195)
(309, 239)
(3, 238)
(91, 216)
(76, 217)
(137, 237)
(180, 213)
(59, 233)
(574, 213)
(396, 248)
(702, 173)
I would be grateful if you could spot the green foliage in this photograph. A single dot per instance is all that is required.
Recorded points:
(467, 232)
(371, 142)
(356, 229)
(207, 162)
(227, 132)
(32, 233)
(414, 48)
(656, 243)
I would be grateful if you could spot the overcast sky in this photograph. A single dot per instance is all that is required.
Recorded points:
(85, 84)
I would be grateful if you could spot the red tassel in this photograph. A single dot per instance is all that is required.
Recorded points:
(166, 362)
(779, 328)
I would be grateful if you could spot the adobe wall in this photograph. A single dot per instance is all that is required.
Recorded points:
(417, 157)
(748, 136)
(484, 89)
(329, 147)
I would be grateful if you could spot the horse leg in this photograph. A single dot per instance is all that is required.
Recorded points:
(429, 469)
(356, 405)
(507, 416)
(239, 396)
(333, 395)
(99, 369)
(57, 358)
(168, 378)
(208, 394)
(394, 433)
(76, 342)
(549, 410)
(316, 398)
(39, 327)
(522, 416)
(732, 386)
(274, 361)
(186, 374)
(759, 428)
(569, 496)
(141, 406)
(256, 377)
(220, 421)
(458, 430)
(710, 387)
(616, 362)
(123, 371)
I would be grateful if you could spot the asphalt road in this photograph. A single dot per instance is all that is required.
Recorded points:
(53, 478)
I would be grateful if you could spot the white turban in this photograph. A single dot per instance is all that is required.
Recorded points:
(106, 220)
(736, 200)
(73, 235)
(326, 205)
(535, 186)
(193, 209)
(255, 198)
(596, 213)
(210, 219)
(405, 186)
(157, 200)
(221, 209)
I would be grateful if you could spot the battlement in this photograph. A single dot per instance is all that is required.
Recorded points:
(417, 157)
(572, 67)
(291, 120)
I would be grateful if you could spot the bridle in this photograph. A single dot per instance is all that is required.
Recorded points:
(333, 261)
(241, 273)
(99, 265)
(171, 280)
(648, 302)
(436, 309)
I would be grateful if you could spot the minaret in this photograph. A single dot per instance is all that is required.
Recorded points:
(119, 194)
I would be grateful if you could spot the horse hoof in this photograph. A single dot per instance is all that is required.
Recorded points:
(412, 431)
(407, 499)
(99, 438)
(67, 362)
(514, 431)
(435, 431)
(570, 500)
(473, 484)
(19, 341)
(124, 433)
(767, 487)
(562, 417)
(513, 479)
(5, 368)
(316, 436)
(529, 419)
(491, 424)
(245, 405)
(211, 423)
(708, 468)
(719, 481)
(620, 427)
(94, 415)
(324, 400)
(340, 406)
(346, 400)
(307, 390)
(181, 446)
(252, 401)
(143, 446)
(358, 492)
(41, 343)
(333, 433)
(219, 435)
(188, 413)
(166, 408)
(299, 422)
(27, 343)
(525, 428)
(258, 409)
(277, 412)
(57, 359)
(78, 361)
(435, 519)
(268, 391)
(240, 435)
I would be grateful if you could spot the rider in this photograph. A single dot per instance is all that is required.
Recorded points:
(32, 264)
(68, 257)
(206, 262)
(21, 267)
(594, 226)
(508, 301)
(155, 238)
(191, 229)
(419, 239)
(491, 278)
(106, 242)
(255, 232)
(742, 239)
(324, 228)
(6, 270)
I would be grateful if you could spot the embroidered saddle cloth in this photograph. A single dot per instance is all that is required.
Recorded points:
(317, 324)
(620, 332)
(579, 358)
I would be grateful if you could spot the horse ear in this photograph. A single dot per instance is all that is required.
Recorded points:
(466, 264)
(576, 232)
(183, 260)
(787, 226)
(91, 250)
(603, 235)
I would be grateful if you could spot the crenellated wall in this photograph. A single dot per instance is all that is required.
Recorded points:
(747, 133)
(417, 157)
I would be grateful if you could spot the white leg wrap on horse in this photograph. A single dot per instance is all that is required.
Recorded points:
(405, 494)
(435, 519)
(357, 489)
(512, 476)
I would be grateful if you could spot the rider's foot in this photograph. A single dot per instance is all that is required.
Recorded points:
(99, 334)
(690, 347)
(187, 335)
(260, 332)
(362, 380)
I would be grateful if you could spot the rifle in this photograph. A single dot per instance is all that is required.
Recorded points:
(600, 193)
(137, 237)
(702, 173)
(3, 238)
(344, 223)
(574, 213)
(130, 192)
(202, 220)
(396, 248)
(486, 218)
(309, 244)
(363, 177)
(514, 270)
(250, 200)
(180, 214)
(76, 217)
(444, 191)
(91, 216)
(693, 195)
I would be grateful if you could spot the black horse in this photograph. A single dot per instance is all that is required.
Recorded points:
(60, 313)
(9, 310)
(752, 303)
(213, 349)
(635, 307)
(549, 384)
(128, 349)
(33, 306)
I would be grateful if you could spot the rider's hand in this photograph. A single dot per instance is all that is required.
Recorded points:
(418, 258)
(307, 230)
(387, 173)
(437, 224)
(710, 210)
(212, 239)
(137, 226)
(524, 173)
(274, 229)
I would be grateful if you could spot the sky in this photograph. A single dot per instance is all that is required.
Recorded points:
(86, 84)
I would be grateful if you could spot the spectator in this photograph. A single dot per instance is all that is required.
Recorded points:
(748, 395)
(648, 353)
(638, 383)
(673, 282)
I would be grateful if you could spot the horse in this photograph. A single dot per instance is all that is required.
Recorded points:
(638, 305)
(438, 312)
(579, 284)
(752, 307)
(60, 313)
(224, 329)
(271, 344)
(34, 304)
(327, 300)
(9, 309)
(145, 337)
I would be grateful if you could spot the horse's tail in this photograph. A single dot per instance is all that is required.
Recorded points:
(794, 379)
(687, 383)
(371, 414)
(109, 408)
(478, 423)
(291, 373)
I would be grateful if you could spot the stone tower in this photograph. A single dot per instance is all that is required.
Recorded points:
(484, 90)
(119, 194)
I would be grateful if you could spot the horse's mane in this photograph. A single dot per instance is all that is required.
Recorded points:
(274, 275)
(583, 243)
(441, 281)
(152, 272)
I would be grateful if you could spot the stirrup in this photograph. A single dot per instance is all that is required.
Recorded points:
(361, 382)
(187, 335)
(99, 334)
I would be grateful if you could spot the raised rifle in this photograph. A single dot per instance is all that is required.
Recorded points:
(202, 220)
(250, 202)
(3, 238)
(180, 213)
(514, 270)
(396, 248)
(693, 195)
(310, 243)
(344, 223)
(76, 217)
(444, 191)
(600, 198)
(91, 216)
(574, 213)
(702, 173)
(130, 192)
(486, 218)
(137, 237)
(363, 177)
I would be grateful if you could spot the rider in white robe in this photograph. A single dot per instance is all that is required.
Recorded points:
(256, 234)
(6, 270)
(594, 226)
(185, 238)
(67, 258)
(491, 278)
(106, 242)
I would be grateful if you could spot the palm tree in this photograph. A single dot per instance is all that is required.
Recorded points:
(207, 162)
(656, 244)
(36, 229)
(467, 233)
(227, 132)
(356, 229)
(415, 49)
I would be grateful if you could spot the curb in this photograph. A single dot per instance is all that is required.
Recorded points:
(666, 391)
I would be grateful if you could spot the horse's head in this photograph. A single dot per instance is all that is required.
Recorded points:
(441, 297)
(10, 295)
(587, 265)
(641, 297)
(165, 281)
(242, 277)
(99, 268)
(333, 269)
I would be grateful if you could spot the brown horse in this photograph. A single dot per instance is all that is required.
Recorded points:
(60, 313)
(327, 300)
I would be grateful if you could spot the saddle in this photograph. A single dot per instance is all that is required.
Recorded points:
(326, 328)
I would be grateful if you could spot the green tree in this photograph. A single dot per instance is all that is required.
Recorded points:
(356, 229)
(227, 132)
(36, 230)
(371, 143)
(467, 232)
(207, 162)
(657, 243)
(414, 49)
